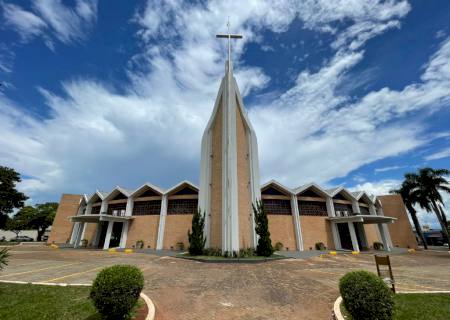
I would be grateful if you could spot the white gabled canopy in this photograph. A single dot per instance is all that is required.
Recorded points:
(146, 186)
(180, 185)
(313, 186)
(97, 195)
(277, 185)
(343, 190)
(115, 192)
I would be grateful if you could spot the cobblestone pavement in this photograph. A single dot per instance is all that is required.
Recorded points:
(184, 289)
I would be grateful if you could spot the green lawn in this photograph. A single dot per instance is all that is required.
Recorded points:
(26, 301)
(421, 306)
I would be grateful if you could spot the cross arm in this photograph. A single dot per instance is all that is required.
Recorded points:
(227, 36)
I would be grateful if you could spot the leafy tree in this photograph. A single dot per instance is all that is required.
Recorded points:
(16, 224)
(10, 198)
(430, 182)
(39, 217)
(197, 239)
(264, 247)
(3, 257)
(410, 198)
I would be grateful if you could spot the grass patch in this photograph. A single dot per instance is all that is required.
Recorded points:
(32, 302)
(8, 243)
(434, 306)
(423, 306)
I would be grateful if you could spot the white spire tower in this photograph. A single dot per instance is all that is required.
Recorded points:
(229, 174)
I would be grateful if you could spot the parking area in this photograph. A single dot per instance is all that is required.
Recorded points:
(183, 289)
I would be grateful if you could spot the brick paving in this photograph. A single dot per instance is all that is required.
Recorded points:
(183, 289)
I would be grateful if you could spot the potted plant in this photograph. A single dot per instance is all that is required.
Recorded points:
(139, 244)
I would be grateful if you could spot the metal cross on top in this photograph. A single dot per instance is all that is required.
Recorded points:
(229, 36)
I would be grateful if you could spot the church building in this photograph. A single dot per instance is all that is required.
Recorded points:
(299, 218)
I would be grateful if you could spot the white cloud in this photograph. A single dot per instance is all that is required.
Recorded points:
(390, 168)
(438, 155)
(378, 188)
(68, 24)
(26, 23)
(97, 137)
(51, 18)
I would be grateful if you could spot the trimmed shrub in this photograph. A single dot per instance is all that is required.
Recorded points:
(264, 247)
(320, 246)
(366, 296)
(378, 246)
(278, 246)
(116, 290)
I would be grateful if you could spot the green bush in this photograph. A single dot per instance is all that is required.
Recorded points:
(116, 290)
(366, 296)
(378, 246)
(278, 246)
(84, 243)
(320, 246)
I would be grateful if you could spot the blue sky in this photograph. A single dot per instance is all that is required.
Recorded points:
(99, 94)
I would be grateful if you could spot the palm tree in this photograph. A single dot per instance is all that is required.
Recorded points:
(430, 182)
(410, 198)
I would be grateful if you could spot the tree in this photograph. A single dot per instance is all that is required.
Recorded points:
(3, 257)
(39, 217)
(264, 247)
(197, 239)
(15, 224)
(410, 198)
(430, 182)
(10, 198)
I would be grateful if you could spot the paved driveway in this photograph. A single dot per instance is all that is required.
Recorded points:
(182, 289)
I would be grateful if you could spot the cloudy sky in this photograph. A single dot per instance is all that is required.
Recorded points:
(99, 94)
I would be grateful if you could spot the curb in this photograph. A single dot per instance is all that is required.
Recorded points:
(150, 306)
(337, 309)
(147, 300)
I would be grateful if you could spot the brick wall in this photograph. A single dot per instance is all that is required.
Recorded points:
(143, 228)
(176, 230)
(371, 234)
(281, 229)
(243, 173)
(400, 231)
(62, 227)
(316, 229)
(216, 182)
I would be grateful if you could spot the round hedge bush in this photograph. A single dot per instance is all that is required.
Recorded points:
(366, 296)
(116, 290)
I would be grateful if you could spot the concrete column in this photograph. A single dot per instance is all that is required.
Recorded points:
(124, 235)
(355, 207)
(351, 228)
(129, 208)
(336, 239)
(104, 207)
(330, 207)
(108, 235)
(372, 210)
(162, 223)
(384, 238)
(297, 226)
(75, 230)
(78, 241)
